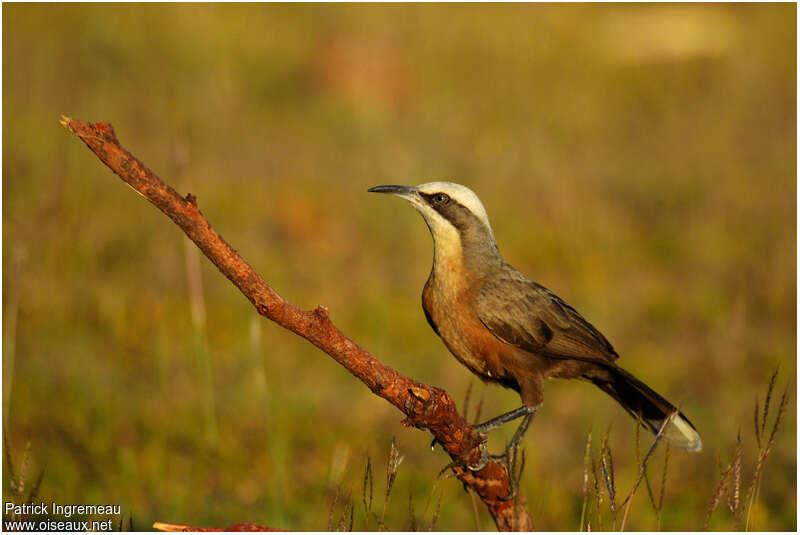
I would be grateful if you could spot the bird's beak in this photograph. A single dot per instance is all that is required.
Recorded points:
(408, 193)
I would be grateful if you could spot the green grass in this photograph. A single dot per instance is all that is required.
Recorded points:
(640, 161)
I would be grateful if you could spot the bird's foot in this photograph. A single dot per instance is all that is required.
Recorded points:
(508, 459)
(482, 462)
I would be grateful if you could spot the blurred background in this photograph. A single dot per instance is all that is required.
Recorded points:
(638, 160)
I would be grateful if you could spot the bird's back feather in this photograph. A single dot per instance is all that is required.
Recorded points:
(527, 315)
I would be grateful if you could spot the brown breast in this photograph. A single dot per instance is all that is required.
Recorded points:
(450, 309)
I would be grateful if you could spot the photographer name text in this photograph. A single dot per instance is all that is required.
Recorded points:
(60, 510)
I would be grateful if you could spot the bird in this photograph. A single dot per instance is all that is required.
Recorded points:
(509, 330)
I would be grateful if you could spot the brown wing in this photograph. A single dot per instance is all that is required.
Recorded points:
(525, 314)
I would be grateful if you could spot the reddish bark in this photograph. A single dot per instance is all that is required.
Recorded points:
(425, 407)
(244, 526)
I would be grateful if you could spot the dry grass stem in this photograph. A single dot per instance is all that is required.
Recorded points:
(648, 486)
(662, 492)
(12, 476)
(18, 477)
(757, 426)
(731, 476)
(626, 503)
(13, 291)
(412, 515)
(516, 477)
(644, 462)
(586, 464)
(607, 465)
(436, 512)
(332, 509)
(719, 491)
(763, 454)
(346, 520)
(598, 495)
(475, 512)
(770, 388)
(736, 474)
(395, 459)
(367, 488)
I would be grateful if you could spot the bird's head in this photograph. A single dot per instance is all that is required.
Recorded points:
(454, 214)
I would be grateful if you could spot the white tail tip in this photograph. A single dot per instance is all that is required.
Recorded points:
(680, 433)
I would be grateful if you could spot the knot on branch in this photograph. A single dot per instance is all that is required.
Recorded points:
(421, 407)
(420, 393)
(191, 199)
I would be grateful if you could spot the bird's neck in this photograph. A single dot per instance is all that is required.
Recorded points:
(461, 258)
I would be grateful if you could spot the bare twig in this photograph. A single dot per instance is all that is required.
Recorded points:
(425, 407)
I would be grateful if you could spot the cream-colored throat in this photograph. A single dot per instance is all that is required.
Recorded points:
(448, 257)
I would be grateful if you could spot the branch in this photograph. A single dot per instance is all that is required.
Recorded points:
(425, 407)
(166, 526)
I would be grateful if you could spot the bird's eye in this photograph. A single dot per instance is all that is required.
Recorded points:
(441, 198)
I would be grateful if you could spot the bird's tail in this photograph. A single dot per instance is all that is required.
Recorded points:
(647, 406)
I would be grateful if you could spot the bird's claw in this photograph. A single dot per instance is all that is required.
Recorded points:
(512, 484)
(510, 495)
(508, 460)
(484, 460)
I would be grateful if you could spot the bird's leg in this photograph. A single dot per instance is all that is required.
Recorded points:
(512, 447)
(525, 412)
(494, 423)
(523, 428)
(509, 416)
(508, 457)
